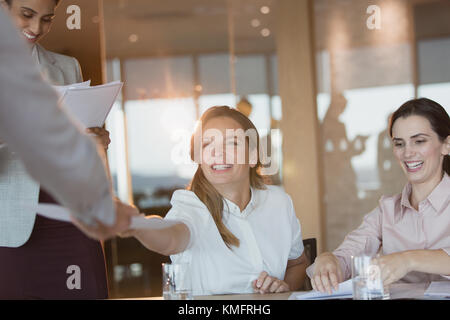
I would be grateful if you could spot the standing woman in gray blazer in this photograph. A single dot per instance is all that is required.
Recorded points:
(39, 255)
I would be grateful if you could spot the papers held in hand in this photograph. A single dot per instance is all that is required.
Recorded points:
(89, 105)
(62, 89)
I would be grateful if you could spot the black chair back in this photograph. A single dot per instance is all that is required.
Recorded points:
(310, 246)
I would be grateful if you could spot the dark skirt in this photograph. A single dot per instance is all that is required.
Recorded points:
(57, 262)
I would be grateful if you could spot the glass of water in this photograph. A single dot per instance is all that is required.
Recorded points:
(176, 283)
(366, 279)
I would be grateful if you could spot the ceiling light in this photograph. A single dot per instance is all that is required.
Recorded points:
(265, 32)
(255, 23)
(133, 38)
(265, 10)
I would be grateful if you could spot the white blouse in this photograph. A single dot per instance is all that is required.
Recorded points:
(269, 234)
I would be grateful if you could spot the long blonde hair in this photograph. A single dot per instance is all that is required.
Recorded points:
(204, 190)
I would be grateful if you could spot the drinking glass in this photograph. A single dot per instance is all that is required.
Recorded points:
(176, 283)
(366, 280)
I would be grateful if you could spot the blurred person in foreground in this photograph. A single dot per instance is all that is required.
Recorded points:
(52, 149)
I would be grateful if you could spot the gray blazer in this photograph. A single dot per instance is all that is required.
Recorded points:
(18, 191)
(54, 150)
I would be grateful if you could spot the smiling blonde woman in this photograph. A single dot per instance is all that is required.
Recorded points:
(237, 234)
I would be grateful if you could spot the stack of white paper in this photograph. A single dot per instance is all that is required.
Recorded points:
(56, 212)
(89, 105)
(62, 89)
(438, 289)
(344, 291)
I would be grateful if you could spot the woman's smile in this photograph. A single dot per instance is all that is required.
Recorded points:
(413, 166)
(30, 36)
(221, 168)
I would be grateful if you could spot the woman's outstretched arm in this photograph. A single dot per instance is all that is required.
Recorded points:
(167, 241)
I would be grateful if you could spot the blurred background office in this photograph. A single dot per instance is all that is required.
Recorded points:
(318, 78)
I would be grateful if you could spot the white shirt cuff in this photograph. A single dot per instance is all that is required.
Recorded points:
(102, 210)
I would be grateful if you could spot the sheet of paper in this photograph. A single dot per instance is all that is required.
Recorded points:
(62, 89)
(56, 212)
(438, 289)
(91, 105)
(345, 290)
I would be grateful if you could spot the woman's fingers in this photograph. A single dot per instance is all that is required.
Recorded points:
(384, 272)
(101, 135)
(387, 277)
(318, 281)
(261, 278)
(334, 280)
(282, 288)
(328, 273)
(254, 285)
(313, 284)
(326, 282)
(266, 284)
(276, 284)
(94, 129)
(126, 234)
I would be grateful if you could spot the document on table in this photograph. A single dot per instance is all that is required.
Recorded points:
(56, 212)
(91, 105)
(344, 291)
(438, 289)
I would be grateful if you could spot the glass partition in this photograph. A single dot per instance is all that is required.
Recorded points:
(371, 57)
(180, 57)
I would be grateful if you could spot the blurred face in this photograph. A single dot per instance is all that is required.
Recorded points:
(418, 149)
(225, 154)
(33, 17)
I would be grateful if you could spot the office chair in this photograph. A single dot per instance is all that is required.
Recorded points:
(310, 246)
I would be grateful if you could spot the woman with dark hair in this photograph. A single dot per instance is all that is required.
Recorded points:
(434, 113)
(38, 255)
(237, 234)
(412, 229)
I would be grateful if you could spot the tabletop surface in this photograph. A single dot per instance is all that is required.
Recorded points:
(397, 291)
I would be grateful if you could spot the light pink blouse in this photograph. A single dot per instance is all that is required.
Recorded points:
(396, 226)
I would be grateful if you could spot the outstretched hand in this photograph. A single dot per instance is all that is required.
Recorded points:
(124, 213)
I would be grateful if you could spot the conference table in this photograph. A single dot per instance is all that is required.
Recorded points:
(398, 291)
